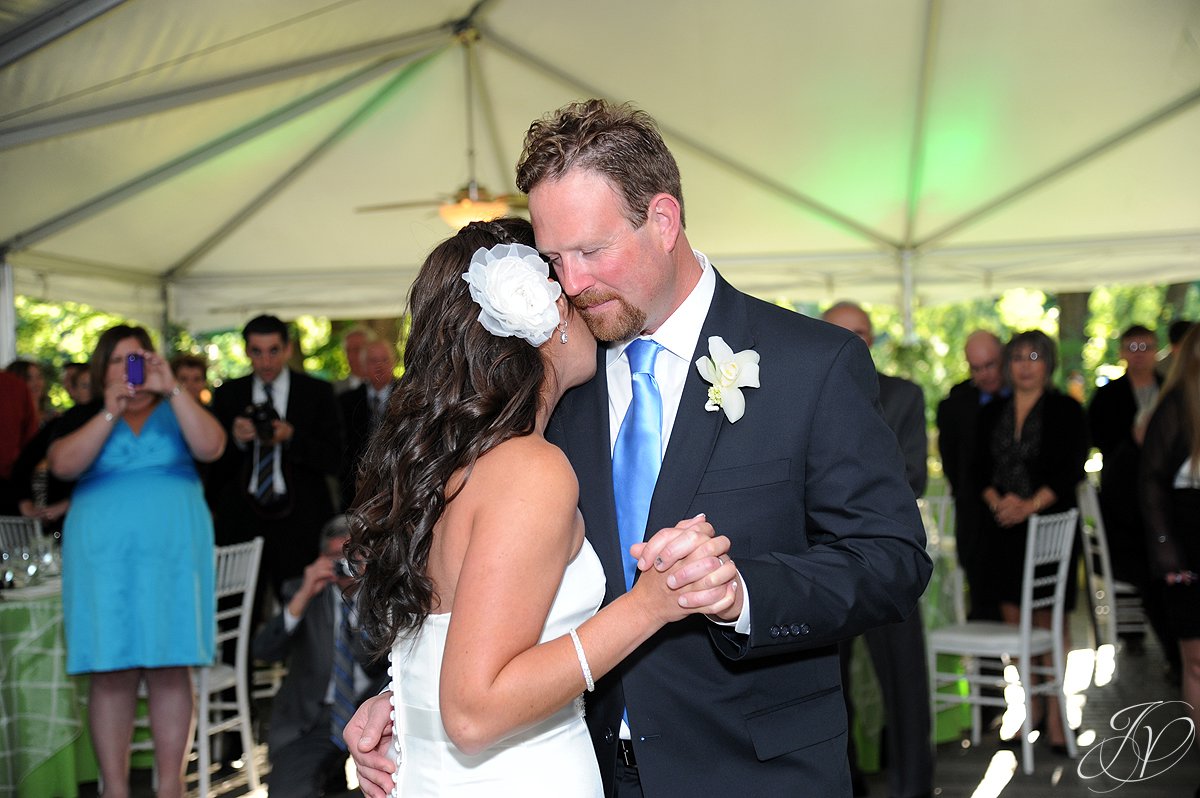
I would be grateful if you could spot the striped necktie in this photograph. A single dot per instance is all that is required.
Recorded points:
(265, 464)
(343, 705)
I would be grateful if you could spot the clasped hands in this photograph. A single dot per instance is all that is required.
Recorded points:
(1010, 509)
(698, 569)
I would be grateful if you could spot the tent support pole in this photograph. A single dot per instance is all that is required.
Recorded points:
(210, 150)
(8, 311)
(906, 294)
(50, 26)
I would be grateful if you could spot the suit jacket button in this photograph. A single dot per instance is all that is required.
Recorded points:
(803, 630)
(774, 631)
(608, 735)
(796, 629)
(785, 630)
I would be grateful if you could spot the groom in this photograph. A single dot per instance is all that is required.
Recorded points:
(808, 483)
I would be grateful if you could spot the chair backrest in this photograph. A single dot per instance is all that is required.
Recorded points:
(937, 513)
(1049, 542)
(1097, 562)
(237, 579)
(17, 531)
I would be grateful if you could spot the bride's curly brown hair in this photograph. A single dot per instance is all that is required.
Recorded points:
(464, 391)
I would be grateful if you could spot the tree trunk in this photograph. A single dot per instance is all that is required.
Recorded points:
(1175, 299)
(1072, 317)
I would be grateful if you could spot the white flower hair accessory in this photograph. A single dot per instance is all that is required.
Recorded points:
(511, 283)
(728, 372)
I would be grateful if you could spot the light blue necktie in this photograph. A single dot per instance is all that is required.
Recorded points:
(638, 453)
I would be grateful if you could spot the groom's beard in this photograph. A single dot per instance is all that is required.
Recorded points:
(626, 323)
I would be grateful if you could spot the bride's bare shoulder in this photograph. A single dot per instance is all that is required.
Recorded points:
(526, 467)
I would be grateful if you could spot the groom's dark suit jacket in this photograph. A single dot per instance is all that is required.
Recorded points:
(809, 486)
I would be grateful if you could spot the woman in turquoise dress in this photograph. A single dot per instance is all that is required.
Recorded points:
(138, 553)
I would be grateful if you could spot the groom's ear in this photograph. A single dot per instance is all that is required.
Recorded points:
(663, 217)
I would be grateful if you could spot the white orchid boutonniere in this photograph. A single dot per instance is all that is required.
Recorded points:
(729, 372)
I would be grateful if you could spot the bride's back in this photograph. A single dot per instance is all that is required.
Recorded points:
(521, 475)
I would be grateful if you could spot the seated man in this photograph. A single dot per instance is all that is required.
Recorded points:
(329, 673)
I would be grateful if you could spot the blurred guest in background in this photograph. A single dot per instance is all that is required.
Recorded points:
(35, 379)
(1117, 410)
(1175, 333)
(353, 343)
(77, 381)
(40, 494)
(191, 371)
(897, 649)
(138, 556)
(363, 407)
(18, 424)
(1170, 480)
(1030, 455)
(316, 633)
(285, 450)
(957, 423)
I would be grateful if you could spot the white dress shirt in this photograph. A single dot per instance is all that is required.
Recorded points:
(678, 335)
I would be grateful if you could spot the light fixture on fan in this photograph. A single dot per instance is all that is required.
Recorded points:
(472, 203)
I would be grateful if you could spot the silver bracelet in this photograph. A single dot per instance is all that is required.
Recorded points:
(174, 392)
(108, 417)
(583, 663)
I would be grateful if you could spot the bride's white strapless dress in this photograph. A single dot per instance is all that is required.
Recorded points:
(553, 758)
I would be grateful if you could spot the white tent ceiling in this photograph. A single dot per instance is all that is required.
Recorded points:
(212, 155)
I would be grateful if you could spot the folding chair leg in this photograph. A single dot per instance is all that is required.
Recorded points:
(1026, 681)
(976, 716)
(243, 704)
(204, 762)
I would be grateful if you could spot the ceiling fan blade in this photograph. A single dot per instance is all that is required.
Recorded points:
(515, 200)
(396, 206)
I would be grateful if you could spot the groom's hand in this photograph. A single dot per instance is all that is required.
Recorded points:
(698, 567)
(368, 736)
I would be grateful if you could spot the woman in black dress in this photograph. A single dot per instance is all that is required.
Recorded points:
(1170, 481)
(1031, 452)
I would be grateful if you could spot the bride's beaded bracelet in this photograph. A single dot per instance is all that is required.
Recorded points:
(583, 663)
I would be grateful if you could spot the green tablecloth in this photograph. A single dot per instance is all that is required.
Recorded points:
(43, 748)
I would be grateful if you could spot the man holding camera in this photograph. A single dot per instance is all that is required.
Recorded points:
(329, 673)
(286, 436)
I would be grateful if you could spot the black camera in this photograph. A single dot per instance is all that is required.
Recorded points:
(261, 415)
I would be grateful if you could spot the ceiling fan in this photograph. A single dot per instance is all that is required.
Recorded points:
(472, 202)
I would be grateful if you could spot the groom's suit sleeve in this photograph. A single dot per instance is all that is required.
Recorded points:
(856, 557)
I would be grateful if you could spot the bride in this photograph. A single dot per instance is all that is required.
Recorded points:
(478, 579)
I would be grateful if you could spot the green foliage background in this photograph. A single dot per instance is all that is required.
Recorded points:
(57, 333)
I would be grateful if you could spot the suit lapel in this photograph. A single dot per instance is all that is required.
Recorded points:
(696, 429)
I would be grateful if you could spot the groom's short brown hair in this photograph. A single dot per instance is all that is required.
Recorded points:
(619, 142)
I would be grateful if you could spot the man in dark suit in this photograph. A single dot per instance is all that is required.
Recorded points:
(897, 649)
(796, 467)
(957, 422)
(363, 407)
(276, 478)
(303, 741)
